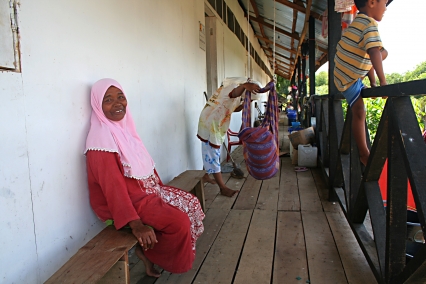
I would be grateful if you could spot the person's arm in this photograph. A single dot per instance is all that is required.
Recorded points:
(104, 167)
(376, 59)
(371, 75)
(239, 108)
(238, 91)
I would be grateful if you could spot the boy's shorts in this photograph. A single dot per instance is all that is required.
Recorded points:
(353, 92)
(211, 158)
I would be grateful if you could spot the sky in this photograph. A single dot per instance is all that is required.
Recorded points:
(402, 30)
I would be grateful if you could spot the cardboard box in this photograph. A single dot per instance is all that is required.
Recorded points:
(294, 157)
(302, 137)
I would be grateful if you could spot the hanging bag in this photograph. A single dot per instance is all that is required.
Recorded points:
(260, 144)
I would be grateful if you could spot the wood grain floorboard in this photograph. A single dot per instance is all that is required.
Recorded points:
(221, 262)
(257, 258)
(290, 252)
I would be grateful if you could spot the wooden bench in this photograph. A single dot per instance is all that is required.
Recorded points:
(104, 259)
(190, 181)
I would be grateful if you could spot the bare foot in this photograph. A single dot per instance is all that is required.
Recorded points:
(149, 266)
(227, 191)
(206, 178)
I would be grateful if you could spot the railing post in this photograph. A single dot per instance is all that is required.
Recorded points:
(396, 209)
(334, 35)
(311, 56)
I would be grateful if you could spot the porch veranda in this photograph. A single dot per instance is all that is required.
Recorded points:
(282, 230)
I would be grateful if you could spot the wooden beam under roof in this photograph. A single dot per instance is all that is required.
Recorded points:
(256, 12)
(283, 68)
(261, 20)
(305, 28)
(278, 54)
(282, 74)
(281, 62)
(299, 7)
(276, 44)
(293, 26)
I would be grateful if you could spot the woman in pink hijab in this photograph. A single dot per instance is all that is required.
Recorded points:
(126, 190)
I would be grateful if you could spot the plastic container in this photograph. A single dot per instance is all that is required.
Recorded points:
(291, 114)
(295, 124)
(307, 156)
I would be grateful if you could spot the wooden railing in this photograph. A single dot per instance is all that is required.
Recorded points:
(356, 188)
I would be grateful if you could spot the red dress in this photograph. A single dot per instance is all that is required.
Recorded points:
(175, 215)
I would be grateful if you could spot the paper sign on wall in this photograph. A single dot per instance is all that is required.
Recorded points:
(202, 32)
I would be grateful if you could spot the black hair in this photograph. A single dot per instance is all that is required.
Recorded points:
(360, 3)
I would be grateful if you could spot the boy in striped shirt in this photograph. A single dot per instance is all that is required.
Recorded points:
(359, 53)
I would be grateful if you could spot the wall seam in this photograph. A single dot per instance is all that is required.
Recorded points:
(29, 178)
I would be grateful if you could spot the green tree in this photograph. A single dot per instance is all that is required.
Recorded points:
(321, 83)
(282, 85)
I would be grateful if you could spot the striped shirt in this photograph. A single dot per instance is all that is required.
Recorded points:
(352, 60)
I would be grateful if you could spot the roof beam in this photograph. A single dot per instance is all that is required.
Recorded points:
(281, 64)
(256, 12)
(280, 55)
(261, 21)
(305, 28)
(282, 74)
(276, 44)
(300, 8)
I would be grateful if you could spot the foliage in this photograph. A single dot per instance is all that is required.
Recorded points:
(321, 83)
(374, 113)
(282, 86)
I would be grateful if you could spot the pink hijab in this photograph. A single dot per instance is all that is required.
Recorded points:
(117, 136)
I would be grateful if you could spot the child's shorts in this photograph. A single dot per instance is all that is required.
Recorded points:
(211, 158)
(353, 92)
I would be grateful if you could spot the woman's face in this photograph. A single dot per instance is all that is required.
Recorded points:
(114, 104)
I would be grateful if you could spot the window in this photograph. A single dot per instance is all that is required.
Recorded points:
(212, 2)
(219, 8)
(9, 51)
(231, 20)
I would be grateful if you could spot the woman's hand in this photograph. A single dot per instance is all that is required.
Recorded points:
(252, 87)
(144, 234)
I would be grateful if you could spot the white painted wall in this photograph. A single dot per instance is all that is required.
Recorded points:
(151, 47)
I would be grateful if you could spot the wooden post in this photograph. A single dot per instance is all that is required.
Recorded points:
(302, 92)
(299, 82)
(293, 83)
(334, 35)
(311, 56)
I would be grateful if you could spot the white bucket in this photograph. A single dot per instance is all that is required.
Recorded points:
(307, 156)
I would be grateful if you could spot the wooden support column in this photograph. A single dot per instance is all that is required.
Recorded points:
(311, 56)
(299, 82)
(299, 75)
(334, 35)
(302, 115)
(303, 77)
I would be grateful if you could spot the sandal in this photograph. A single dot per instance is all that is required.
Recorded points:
(300, 169)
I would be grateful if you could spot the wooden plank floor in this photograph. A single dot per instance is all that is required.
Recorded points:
(281, 230)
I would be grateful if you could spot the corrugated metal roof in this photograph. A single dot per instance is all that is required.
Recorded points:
(290, 18)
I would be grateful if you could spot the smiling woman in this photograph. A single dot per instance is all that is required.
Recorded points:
(125, 189)
(114, 104)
